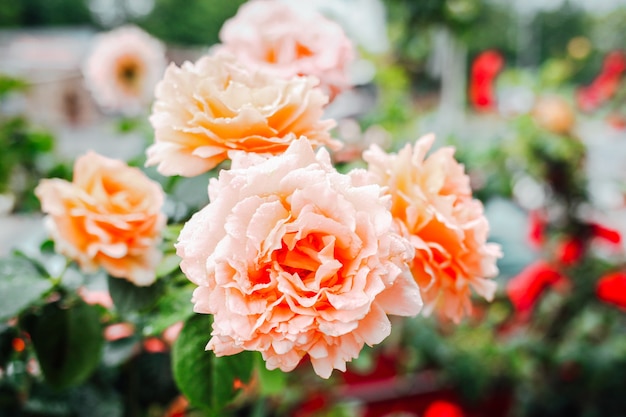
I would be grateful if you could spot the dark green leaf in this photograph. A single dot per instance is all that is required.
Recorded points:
(47, 246)
(128, 297)
(206, 380)
(44, 400)
(91, 400)
(119, 351)
(21, 284)
(68, 342)
(7, 334)
(151, 373)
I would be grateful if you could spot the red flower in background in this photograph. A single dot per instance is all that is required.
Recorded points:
(443, 409)
(525, 289)
(177, 408)
(611, 288)
(570, 250)
(606, 234)
(485, 68)
(536, 228)
(604, 86)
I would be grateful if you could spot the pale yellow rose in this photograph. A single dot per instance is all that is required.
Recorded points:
(206, 109)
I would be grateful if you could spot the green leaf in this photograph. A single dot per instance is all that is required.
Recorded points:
(9, 84)
(206, 380)
(68, 342)
(93, 400)
(21, 284)
(174, 306)
(172, 231)
(168, 264)
(119, 351)
(270, 382)
(127, 124)
(128, 297)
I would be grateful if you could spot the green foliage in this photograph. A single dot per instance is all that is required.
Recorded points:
(487, 166)
(558, 27)
(10, 84)
(44, 13)
(67, 337)
(128, 297)
(22, 149)
(208, 382)
(199, 20)
(271, 382)
(21, 285)
(172, 307)
(557, 158)
(21, 145)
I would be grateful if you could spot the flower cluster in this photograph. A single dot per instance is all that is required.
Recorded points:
(291, 257)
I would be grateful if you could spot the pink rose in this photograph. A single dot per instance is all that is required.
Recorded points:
(285, 41)
(432, 205)
(108, 216)
(206, 109)
(293, 258)
(122, 69)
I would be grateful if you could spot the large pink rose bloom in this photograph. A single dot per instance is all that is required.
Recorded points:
(206, 109)
(109, 216)
(432, 206)
(287, 41)
(122, 69)
(293, 258)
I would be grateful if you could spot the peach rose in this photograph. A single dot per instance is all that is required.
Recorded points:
(206, 109)
(293, 258)
(432, 205)
(123, 68)
(108, 216)
(288, 41)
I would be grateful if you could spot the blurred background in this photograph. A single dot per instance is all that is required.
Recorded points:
(530, 92)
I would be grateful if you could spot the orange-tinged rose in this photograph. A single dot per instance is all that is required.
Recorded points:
(108, 216)
(432, 205)
(555, 114)
(293, 258)
(206, 109)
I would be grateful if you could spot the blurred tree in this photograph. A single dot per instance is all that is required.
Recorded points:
(44, 13)
(556, 28)
(197, 22)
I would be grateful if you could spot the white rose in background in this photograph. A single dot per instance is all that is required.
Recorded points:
(123, 68)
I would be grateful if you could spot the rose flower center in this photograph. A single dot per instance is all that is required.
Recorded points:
(129, 74)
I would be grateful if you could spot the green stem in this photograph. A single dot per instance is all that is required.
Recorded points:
(56, 281)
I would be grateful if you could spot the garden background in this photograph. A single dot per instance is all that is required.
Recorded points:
(530, 93)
